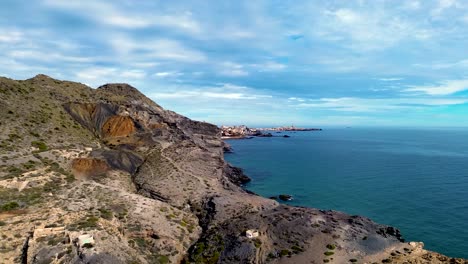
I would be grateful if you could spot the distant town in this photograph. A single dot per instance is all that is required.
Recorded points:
(246, 132)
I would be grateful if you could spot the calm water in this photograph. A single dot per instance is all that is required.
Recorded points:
(415, 180)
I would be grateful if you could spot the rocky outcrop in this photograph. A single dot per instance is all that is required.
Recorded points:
(236, 175)
(118, 126)
(89, 166)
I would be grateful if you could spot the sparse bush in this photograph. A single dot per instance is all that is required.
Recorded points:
(40, 145)
(297, 249)
(163, 259)
(331, 247)
(257, 243)
(284, 252)
(329, 253)
(106, 214)
(9, 206)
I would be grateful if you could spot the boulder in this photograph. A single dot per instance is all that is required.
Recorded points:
(285, 197)
(86, 241)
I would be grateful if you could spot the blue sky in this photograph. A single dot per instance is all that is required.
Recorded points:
(308, 63)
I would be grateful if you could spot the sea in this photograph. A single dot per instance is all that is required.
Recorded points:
(413, 179)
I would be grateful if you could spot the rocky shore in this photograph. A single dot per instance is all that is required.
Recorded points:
(107, 176)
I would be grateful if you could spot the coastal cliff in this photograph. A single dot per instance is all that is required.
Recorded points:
(108, 176)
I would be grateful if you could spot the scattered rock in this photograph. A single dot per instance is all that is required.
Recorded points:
(86, 241)
(285, 197)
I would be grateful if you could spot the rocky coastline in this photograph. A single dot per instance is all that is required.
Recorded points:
(244, 132)
(108, 176)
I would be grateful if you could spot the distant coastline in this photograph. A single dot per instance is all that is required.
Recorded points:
(244, 132)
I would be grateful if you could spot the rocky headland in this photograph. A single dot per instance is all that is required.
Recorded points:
(107, 176)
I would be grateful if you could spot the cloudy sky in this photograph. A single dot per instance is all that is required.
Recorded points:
(310, 63)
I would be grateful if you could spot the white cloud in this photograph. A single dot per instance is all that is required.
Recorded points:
(222, 92)
(443, 5)
(444, 65)
(296, 99)
(465, 19)
(367, 29)
(9, 36)
(133, 74)
(47, 57)
(96, 76)
(167, 74)
(412, 5)
(232, 69)
(355, 104)
(154, 49)
(390, 79)
(443, 88)
(269, 66)
(108, 14)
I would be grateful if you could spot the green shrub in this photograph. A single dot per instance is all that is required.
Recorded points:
(257, 243)
(9, 206)
(163, 259)
(353, 260)
(106, 214)
(14, 170)
(40, 145)
(331, 247)
(285, 252)
(34, 134)
(297, 249)
(90, 222)
(329, 253)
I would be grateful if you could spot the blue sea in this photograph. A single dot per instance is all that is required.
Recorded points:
(412, 179)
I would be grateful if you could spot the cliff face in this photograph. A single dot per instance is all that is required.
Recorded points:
(149, 186)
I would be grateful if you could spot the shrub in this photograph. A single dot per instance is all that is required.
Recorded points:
(40, 145)
(297, 248)
(9, 206)
(285, 252)
(106, 214)
(331, 247)
(329, 253)
(257, 243)
(34, 134)
(90, 222)
(353, 260)
(163, 259)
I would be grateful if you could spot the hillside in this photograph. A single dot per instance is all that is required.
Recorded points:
(107, 176)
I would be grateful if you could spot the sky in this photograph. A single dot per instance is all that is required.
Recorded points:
(259, 63)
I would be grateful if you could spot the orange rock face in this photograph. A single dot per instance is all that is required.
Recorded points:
(118, 126)
(89, 166)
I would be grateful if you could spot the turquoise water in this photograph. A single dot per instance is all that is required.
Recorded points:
(415, 180)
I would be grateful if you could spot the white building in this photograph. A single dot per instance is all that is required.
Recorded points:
(252, 233)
